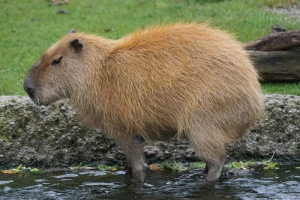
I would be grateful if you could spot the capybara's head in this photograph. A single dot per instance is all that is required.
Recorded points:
(60, 70)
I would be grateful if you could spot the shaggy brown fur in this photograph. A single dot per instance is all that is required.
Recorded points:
(155, 83)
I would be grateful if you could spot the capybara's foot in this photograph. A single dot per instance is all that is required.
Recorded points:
(138, 177)
(214, 170)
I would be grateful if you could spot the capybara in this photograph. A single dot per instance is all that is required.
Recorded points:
(154, 84)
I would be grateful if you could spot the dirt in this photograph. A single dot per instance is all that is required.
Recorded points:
(292, 10)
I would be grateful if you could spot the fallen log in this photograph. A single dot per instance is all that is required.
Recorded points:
(275, 41)
(277, 55)
(277, 66)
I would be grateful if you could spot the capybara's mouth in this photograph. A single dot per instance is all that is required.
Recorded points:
(37, 101)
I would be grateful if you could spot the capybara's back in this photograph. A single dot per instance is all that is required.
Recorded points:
(181, 79)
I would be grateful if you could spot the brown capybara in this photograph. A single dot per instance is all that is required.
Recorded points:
(154, 84)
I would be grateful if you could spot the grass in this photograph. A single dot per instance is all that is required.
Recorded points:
(29, 27)
(281, 88)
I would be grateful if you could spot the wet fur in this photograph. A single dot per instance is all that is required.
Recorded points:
(157, 83)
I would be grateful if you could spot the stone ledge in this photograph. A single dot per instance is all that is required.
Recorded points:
(52, 137)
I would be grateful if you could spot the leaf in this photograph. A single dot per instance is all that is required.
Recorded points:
(77, 167)
(297, 167)
(167, 167)
(196, 165)
(6, 171)
(154, 167)
(174, 166)
(236, 165)
(11, 171)
(113, 169)
(20, 168)
(104, 167)
(271, 165)
(36, 171)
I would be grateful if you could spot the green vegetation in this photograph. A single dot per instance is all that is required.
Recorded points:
(241, 165)
(28, 27)
(106, 168)
(282, 88)
(267, 165)
(100, 167)
(167, 166)
(271, 166)
(22, 168)
(177, 166)
(78, 167)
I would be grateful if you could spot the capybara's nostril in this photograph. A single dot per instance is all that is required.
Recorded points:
(29, 87)
(29, 91)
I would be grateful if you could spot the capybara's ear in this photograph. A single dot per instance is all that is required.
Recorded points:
(77, 45)
(72, 31)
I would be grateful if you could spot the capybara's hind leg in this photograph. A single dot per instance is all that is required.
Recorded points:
(214, 169)
(134, 151)
(211, 149)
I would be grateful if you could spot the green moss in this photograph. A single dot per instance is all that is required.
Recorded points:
(3, 129)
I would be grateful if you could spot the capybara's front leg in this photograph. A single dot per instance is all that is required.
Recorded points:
(133, 148)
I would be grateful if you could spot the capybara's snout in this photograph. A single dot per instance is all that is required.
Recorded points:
(29, 87)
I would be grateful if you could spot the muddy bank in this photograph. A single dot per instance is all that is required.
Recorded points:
(52, 137)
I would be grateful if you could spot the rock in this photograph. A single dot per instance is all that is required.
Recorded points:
(52, 137)
(62, 11)
(7, 189)
(278, 133)
(47, 136)
(237, 172)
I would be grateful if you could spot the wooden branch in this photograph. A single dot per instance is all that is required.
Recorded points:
(58, 2)
(277, 66)
(275, 41)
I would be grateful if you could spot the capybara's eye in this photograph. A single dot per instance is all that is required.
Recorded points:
(56, 61)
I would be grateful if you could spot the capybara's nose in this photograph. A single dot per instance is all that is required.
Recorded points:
(29, 87)
(30, 91)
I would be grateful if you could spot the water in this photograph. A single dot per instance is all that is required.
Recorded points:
(259, 184)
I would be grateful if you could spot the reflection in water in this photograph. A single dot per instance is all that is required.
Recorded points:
(260, 184)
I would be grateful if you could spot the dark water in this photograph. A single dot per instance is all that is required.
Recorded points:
(283, 183)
